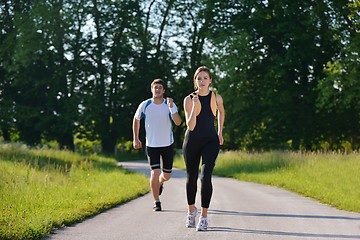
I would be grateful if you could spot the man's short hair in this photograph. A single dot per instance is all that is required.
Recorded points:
(158, 81)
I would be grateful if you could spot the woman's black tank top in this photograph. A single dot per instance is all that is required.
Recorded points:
(205, 121)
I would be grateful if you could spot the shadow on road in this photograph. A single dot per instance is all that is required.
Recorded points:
(222, 212)
(280, 233)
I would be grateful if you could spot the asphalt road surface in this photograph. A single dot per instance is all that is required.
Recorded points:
(238, 210)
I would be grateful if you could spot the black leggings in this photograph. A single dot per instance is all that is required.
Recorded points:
(193, 150)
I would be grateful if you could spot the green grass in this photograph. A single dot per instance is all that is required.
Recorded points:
(331, 178)
(41, 190)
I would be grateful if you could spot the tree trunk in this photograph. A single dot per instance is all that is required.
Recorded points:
(6, 134)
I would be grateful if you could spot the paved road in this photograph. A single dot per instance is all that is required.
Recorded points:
(239, 210)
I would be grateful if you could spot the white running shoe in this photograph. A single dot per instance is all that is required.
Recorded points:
(190, 219)
(203, 224)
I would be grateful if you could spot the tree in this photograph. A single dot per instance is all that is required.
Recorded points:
(339, 90)
(29, 68)
(7, 45)
(267, 69)
(287, 70)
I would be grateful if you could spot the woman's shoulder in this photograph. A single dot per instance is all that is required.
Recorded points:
(218, 96)
(190, 95)
(187, 98)
(215, 95)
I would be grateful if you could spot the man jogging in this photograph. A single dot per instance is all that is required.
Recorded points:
(159, 113)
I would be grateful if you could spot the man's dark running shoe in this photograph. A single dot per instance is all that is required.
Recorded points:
(157, 206)
(161, 188)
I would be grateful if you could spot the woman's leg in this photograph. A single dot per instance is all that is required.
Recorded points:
(191, 153)
(209, 156)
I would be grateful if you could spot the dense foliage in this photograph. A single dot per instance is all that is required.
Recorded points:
(288, 70)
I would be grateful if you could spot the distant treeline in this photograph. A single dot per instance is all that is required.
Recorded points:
(288, 70)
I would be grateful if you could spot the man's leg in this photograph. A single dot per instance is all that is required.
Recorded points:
(167, 155)
(164, 176)
(154, 183)
(153, 155)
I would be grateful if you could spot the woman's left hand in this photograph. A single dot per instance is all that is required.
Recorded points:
(221, 139)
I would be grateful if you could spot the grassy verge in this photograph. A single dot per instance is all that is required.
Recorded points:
(331, 178)
(41, 190)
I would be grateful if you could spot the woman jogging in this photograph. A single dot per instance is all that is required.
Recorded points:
(201, 142)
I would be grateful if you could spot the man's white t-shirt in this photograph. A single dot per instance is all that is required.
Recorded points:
(158, 122)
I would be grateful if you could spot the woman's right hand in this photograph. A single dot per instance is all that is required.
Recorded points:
(195, 99)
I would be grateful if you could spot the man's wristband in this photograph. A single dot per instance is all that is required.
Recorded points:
(173, 110)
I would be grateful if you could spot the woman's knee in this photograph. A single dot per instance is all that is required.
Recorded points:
(192, 178)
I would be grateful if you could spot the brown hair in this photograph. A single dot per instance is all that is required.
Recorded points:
(201, 69)
(158, 81)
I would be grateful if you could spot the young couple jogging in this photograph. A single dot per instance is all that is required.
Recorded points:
(202, 141)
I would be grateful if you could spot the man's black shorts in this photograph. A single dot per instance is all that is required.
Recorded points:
(154, 154)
